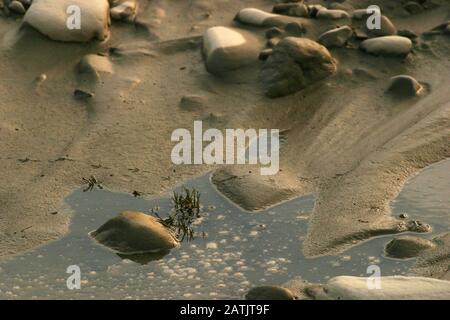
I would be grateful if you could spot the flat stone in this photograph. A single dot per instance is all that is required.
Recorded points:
(124, 11)
(332, 14)
(388, 45)
(17, 7)
(294, 64)
(291, 9)
(387, 28)
(259, 18)
(337, 37)
(404, 86)
(192, 102)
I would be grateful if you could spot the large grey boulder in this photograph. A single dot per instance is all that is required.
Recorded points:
(336, 37)
(404, 86)
(227, 49)
(294, 64)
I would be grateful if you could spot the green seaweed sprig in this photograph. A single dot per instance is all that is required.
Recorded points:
(186, 210)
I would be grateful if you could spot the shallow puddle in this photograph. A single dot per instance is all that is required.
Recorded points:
(239, 250)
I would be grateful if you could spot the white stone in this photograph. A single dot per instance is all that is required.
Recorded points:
(50, 18)
(254, 16)
(227, 49)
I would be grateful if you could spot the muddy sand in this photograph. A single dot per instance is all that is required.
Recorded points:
(105, 102)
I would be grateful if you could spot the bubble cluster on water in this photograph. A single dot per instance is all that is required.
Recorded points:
(234, 251)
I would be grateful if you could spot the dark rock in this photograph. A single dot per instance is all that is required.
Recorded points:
(294, 64)
(404, 86)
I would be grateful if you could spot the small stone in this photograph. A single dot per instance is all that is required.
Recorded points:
(313, 10)
(17, 7)
(227, 49)
(413, 7)
(271, 43)
(388, 45)
(336, 37)
(291, 9)
(81, 94)
(404, 86)
(269, 293)
(407, 247)
(332, 14)
(41, 78)
(26, 3)
(403, 216)
(360, 14)
(442, 28)
(273, 32)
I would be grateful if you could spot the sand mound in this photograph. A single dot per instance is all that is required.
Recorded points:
(227, 49)
(251, 191)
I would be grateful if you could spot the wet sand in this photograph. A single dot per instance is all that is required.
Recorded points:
(346, 140)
